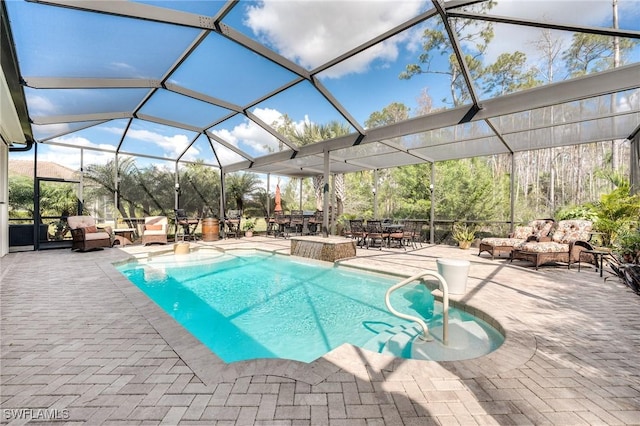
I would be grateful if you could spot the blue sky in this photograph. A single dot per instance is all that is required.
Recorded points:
(72, 43)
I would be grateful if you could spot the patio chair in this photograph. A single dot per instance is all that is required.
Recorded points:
(297, 221)
(395, 234)
(535, 231)
(315, 222)
(376, 236)
(283, 224)
(232, 222)
(86, 235)
(357, 231)
(186, 224)
(565, 245)
(155, 230)
(410, 233)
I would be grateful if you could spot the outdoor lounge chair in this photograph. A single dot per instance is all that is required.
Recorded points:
(86, 235)
(155, 230)
(534, 231)
(566, 245)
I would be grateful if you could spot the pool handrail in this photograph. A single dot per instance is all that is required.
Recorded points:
(445, 305)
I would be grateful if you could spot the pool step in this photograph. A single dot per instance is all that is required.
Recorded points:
(466, 340)
(381, 342)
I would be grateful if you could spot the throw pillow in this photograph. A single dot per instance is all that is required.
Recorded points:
(522, 232)
(90, 229)
(153, 227)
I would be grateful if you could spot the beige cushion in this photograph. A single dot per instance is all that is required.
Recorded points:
(76, 222)
(154, 232)
(96, 236)
(155, 225)
(522, 232)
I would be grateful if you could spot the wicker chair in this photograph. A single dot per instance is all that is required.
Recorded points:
(86, 236)
(565, 245)
(535, 231)
(155, 230)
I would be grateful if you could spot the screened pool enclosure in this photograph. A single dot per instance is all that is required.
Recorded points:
(161, 100)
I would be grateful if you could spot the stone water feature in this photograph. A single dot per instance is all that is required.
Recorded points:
(328, 249)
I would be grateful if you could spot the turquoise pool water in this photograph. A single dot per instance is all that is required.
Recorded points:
(260, 305)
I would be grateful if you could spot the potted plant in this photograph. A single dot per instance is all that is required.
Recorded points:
(248, 227)
(464, 234)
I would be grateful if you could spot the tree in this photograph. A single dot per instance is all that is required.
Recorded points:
(240, 186)
(550, 49)
(617, 212)
(507, 75)
(136, 190)
(472, 34)
(464, 190)
(594, 52)
(20, 196)
(200, 189)
(390, 114)
(311, 133)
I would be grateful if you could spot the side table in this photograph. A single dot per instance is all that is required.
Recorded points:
(598, 256)
(124, 236)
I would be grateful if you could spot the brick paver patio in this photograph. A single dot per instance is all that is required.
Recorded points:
(82, 345)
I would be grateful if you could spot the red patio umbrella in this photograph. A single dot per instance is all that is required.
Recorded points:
(278, 207)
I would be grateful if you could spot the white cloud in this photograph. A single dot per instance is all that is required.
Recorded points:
(321, 29)
(171, 146)
(39, 105)
(70, 157)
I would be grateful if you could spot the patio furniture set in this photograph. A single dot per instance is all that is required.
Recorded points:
(385, 233)
(544, 241)
(297, 222)
(87, 235)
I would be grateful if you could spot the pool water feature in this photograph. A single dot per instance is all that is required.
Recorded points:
(249, 304)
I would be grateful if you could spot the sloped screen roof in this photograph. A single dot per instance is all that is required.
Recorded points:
(271, 85)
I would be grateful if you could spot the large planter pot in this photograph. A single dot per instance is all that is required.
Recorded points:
(455, 273)
(464, 245)
(248, 234)
(210, 229)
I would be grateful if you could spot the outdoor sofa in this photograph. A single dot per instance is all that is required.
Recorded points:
(566, 245)
(534, 231)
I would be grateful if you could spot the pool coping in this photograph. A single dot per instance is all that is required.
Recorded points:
(517, 348)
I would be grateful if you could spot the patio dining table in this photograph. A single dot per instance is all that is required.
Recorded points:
(391, 228)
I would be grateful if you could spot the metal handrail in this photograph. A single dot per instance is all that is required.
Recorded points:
(445, 306)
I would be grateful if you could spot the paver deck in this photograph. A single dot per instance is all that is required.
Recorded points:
(82, 345)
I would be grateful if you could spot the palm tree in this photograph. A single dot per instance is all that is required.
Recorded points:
(240, 185)
(128, 190)
(199, 189)
(312, 133)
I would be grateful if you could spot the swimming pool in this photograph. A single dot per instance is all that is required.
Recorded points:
(247, 305)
